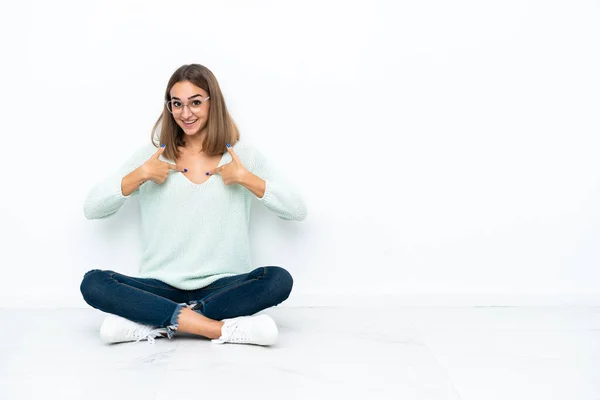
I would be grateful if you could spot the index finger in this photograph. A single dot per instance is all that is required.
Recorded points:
(215, 170)
(174, 167)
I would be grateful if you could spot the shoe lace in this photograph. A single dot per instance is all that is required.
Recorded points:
(235, 335)
(145, 332)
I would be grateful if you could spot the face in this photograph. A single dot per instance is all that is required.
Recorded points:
(189, 111)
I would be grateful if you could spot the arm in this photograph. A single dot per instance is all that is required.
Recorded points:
(132, 181)
(254, 184)
(109, 195)
(272, 190)
(259, 179)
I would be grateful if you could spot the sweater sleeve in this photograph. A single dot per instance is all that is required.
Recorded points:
(279, 197)
(106, 198)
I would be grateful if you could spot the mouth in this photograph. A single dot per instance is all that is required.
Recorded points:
(189, 123)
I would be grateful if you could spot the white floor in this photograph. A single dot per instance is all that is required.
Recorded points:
(323, 353)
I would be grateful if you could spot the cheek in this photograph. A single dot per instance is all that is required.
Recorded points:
(203, 118)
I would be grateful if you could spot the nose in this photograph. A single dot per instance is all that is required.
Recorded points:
(186, 112)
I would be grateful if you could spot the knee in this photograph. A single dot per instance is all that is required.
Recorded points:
(281, 283)
(91, 286)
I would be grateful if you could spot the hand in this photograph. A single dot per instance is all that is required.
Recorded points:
(156, 170)
(233, 172)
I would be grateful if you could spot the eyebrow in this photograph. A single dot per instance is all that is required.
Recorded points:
(191, 97)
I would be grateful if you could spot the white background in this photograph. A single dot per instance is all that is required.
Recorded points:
(447, 151)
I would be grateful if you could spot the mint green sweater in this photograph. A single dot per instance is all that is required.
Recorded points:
(194, 234)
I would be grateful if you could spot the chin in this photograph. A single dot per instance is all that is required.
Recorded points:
(188, 131)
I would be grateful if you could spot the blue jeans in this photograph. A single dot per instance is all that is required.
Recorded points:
(153, 302)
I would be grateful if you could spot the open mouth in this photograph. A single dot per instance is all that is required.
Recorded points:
(190, 123)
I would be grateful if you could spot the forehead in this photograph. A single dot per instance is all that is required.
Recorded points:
(185, 89)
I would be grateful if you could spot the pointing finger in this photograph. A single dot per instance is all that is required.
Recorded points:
(176, 168)
(215, 170)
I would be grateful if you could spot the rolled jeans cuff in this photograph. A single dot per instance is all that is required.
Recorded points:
(174, 322)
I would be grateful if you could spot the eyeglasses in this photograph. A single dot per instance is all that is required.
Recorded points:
(176, 106)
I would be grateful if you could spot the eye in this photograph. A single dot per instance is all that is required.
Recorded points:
(176, 103)
(196, 102)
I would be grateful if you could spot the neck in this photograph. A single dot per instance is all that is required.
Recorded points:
(194, 142)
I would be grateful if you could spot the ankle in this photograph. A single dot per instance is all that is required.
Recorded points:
(192, 322)
(217, 330)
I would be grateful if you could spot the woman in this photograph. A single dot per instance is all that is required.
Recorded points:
(195, 193)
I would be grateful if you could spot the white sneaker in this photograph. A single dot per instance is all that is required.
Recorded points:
(116, 329)
(260, 329)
